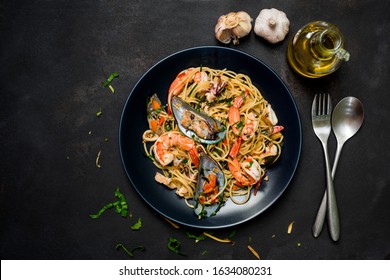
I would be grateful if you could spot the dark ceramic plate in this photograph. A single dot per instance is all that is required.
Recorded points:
(133, 123)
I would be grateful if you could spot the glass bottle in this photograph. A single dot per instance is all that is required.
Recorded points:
(317, 50)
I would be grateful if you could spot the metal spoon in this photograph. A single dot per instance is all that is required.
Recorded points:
(347, 118)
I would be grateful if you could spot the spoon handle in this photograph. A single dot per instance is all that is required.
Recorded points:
(320, 218)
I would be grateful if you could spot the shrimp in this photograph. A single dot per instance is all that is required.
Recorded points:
(210, 186)
(275, 129)
(178, 84)
(168, 141)
(234, 114)
(250, 126)
(210, 190)
(248, 129)
(251, 167)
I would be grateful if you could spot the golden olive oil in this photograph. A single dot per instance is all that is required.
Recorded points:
(317, 50)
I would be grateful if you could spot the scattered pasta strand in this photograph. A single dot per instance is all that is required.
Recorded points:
(171, 223)
(111, 88)
(97, 159)
(290, 227)
(224, 240)
(253, 251)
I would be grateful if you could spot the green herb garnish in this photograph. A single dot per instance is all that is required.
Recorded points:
(137, 225)
(192, 90)
(99, 113)
(129, 252)
(174, 245)
(109, 80)
(101, 211)
(196, 237)
(120, 205)
(232, 234)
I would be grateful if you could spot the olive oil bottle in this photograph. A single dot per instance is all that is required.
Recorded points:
(317, 50)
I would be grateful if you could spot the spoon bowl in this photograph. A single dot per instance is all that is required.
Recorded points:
(347, 118)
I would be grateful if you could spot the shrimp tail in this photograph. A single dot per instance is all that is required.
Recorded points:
(194, 156)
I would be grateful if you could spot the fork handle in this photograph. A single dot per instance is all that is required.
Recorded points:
(320, 218)
(333, 214)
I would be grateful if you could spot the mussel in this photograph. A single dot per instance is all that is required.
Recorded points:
(154, 115)
(209, 189)
(195, 124)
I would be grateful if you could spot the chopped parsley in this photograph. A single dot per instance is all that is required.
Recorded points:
(196, 237)
(110, 78)
(137, 225)
(120, 206)
(99, 113)
(130, 252)
(174, 245)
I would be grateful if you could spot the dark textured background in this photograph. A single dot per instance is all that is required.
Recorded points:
(54, 56)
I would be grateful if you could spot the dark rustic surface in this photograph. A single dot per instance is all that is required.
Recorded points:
(54, 56)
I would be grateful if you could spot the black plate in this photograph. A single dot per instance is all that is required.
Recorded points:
(133, 123)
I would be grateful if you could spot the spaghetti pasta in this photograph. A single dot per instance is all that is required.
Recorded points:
(253, 138)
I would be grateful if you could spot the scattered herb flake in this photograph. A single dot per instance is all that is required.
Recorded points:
(196, 237)
(129, 252)
(110, 78)
(101, 211)
(99, 113)
(232, 234)
(204, 252)
(120, 205)
(174, 245)
(137, 225)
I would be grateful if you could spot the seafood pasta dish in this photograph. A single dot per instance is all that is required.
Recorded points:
(214, 140)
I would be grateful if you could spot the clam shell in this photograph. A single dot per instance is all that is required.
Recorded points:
(195, 124)
(206, 166)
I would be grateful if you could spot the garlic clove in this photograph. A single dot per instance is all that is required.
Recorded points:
(272, 24)
(224, 35)
(234, 25)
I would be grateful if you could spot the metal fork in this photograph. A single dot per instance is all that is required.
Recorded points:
(320, 115)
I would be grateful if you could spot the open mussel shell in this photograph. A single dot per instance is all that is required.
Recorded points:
(154, 110)
(206, 166)
(195, 124)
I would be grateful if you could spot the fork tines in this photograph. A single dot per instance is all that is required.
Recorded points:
(321, 105)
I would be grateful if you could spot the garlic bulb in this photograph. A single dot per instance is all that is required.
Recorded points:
(272, 25)
(233, 26)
